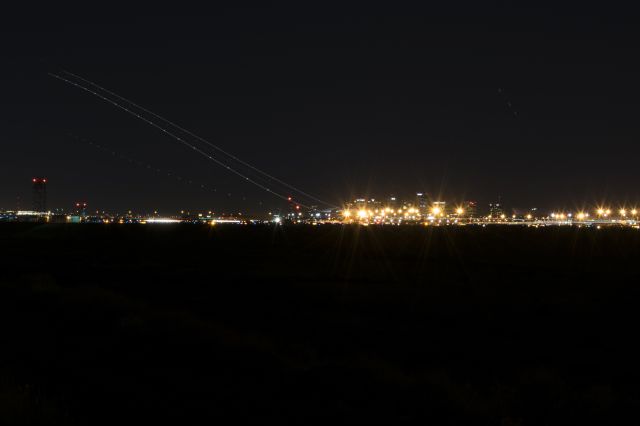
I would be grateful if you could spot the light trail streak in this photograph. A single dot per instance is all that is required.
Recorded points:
(176, 137)
(162, 220)
(147, 166)
(201, 139)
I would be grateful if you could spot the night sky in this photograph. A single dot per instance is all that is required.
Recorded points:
(538, 105)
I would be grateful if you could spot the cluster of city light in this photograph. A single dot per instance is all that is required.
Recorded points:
(437, 214)
(366, 214)
(561, 216)
(623, 212)
(600, 213)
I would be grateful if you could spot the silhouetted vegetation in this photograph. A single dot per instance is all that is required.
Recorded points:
(309, 325)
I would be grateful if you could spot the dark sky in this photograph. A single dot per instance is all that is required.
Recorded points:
(536, 104)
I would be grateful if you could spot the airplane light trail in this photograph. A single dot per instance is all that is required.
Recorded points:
(176, 137)
(201, 139)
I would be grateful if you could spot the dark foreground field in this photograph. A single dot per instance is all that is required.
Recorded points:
(318, 325)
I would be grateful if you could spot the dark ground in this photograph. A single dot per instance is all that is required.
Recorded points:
(318, 325)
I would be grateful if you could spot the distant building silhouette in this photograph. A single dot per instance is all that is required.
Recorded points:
(421, 202)
(80, 209)
(470, 208)
(496, 210)
(39, 194)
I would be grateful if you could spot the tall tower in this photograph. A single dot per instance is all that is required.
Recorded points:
(470, 208)
(39, 194)
(421, 202)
